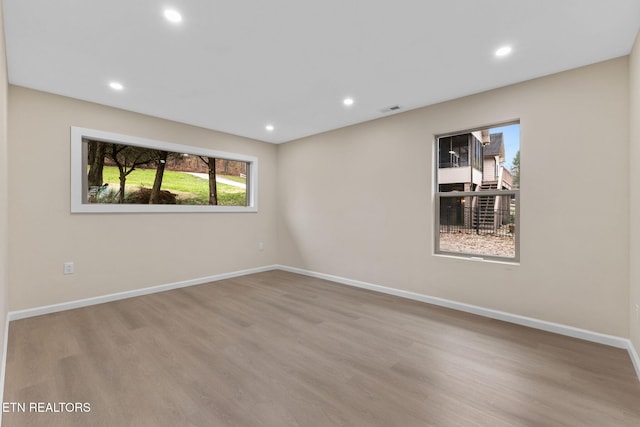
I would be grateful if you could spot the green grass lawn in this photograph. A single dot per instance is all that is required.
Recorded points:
(190, 189)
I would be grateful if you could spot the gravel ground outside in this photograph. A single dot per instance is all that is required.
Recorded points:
(484, 244)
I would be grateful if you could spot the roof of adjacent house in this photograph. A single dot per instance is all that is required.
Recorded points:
(495, 147)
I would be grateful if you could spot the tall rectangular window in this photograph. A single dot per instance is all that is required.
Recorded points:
(477, 193)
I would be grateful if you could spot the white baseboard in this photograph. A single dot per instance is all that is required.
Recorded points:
(37, 311)
(557, 328)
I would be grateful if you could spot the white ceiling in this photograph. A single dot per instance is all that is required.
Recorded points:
(236, 66)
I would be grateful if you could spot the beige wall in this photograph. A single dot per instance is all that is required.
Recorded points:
(4, 175)
(634, 157)
(116, 252)
(341, 214)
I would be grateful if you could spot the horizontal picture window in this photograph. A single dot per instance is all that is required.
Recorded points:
(118, 173)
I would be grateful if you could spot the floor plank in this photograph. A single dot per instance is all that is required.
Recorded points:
(280, 349)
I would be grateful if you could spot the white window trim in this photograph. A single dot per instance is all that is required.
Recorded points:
(437, 195)
(79, 176)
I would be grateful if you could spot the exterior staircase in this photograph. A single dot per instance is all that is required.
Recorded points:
(484, 216)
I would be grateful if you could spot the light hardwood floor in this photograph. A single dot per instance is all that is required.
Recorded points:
(279, 349)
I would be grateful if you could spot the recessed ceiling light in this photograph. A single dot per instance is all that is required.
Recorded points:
(270, 128)
(172, 15)
(503, 51)
(348, 101)
(116, 86)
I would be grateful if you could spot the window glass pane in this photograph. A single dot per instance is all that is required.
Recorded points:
(125, 174)
(478, 225)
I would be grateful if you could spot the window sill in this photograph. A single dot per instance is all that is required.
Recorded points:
(481, 259)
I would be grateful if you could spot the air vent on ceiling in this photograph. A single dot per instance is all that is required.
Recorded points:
(390, 109)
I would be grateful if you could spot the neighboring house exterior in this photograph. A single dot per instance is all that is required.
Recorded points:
(473, 162)
(494, 173)
(460, 161)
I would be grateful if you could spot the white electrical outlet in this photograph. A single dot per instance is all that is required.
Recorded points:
(68, 268)
(261, 246)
